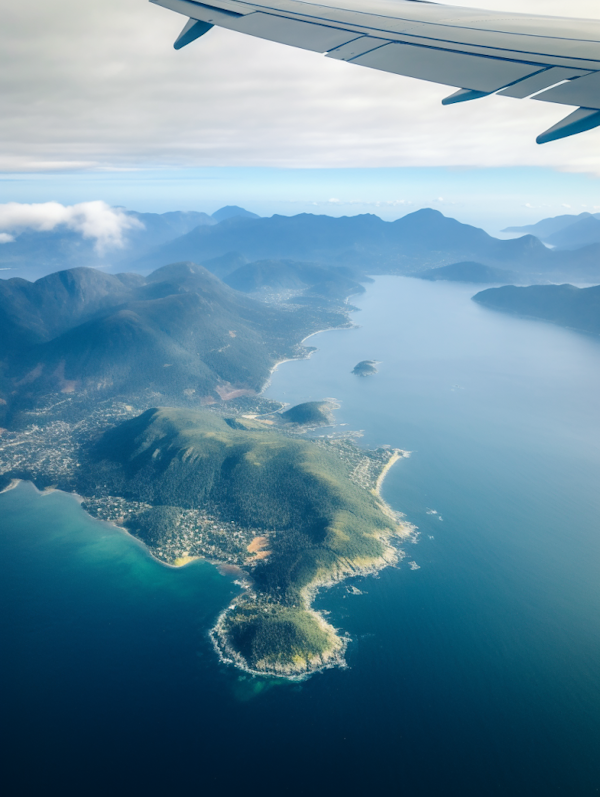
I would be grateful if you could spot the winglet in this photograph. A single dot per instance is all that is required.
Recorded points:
(192, 31)
(464, 95)
(577, 122)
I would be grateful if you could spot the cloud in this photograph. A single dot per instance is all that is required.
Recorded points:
(98, 86)
(91, 219)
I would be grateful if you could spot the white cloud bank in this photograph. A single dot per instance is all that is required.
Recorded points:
(97, 85)
(91, 219)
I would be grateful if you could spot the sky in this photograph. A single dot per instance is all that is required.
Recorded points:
(97, 106)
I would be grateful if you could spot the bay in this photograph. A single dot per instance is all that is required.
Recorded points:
(476, 674)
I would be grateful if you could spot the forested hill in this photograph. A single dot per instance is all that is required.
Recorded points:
(577, 308)
(320, 522)
(180, 329)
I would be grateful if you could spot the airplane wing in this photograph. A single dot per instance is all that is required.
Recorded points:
(552, 59)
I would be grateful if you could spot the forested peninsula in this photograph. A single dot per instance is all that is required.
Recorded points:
(293, 514)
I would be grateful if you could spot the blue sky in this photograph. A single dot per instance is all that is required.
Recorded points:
(490, 198)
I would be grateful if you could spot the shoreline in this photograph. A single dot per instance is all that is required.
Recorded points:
(177, 565)
(306, 356)
(334, 655)
(397, 455)
(14, 483)
(227, 654)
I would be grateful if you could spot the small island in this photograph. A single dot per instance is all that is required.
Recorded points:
(292, 515)
(365, 368)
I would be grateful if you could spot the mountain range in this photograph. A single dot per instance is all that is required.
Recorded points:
(565, 232)
(179, 332)
(422, 239)
(233, 238)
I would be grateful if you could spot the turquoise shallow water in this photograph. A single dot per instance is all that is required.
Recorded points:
(475, 675)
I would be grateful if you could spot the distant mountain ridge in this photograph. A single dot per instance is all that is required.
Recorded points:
(366, 244)
(35, 254)
(423, 238)
(416, 242)
(565, 232)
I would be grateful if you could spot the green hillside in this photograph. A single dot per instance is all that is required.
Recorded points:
(319, 522)
(179, 331)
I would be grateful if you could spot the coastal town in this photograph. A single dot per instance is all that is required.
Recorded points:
(50, 450)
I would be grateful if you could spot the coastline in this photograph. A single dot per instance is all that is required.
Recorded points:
(397, 454)
(177, 565)
(227, 654)
(14, 483)
(331, 654)
(305, 356)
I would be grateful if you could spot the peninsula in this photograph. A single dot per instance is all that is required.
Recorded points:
(293, 514)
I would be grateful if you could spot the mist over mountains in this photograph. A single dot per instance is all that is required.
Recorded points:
(565, 232)
(233, 238)
(35, 253)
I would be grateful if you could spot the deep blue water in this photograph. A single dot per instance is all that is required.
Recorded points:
(477, 674)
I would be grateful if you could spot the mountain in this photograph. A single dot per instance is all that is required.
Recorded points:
(412, 243)
(180, 331)
(364, 244)
(566, 305)
(368, 245)
(582, 233)
(35, 254)
(34, 312)
(468, 272)
(231, 212)
(546, 228)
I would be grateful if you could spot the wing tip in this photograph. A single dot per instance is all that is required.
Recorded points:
(579, 121)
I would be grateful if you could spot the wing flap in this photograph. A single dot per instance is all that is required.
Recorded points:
(543, 80)
(446, 67)
(584, 91)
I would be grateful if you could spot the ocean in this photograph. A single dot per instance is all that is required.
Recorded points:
(473, 671)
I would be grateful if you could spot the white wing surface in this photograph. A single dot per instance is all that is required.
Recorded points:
(552, 59)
